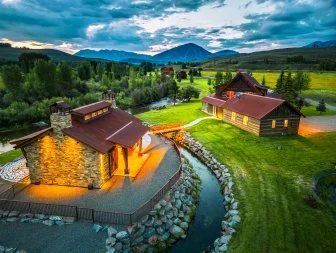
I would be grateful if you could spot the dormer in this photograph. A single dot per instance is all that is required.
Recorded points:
(87, 113)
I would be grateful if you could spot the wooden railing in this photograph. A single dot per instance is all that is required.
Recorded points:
(6, 203)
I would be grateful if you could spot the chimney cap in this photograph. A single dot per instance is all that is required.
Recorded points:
(59, 107)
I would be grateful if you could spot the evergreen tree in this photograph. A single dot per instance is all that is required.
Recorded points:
(64, 78)
(301, 81)
(227, 77)
(263, 82)
(100, 71)
(209, 81)
(288, 92)
(218, 78)
(173, 90)
(321, 107)
(192, 78)
(280, 82)
(12, 79)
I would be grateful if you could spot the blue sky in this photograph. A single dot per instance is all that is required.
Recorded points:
(151, 26)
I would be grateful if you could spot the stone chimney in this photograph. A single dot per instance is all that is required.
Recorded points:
(110, 96)
(60, 118)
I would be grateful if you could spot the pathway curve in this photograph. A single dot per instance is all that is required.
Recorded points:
(196, 121)
(315, 103)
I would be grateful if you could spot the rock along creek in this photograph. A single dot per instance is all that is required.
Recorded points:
(209, 212)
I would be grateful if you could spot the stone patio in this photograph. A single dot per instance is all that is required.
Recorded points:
(119, 194)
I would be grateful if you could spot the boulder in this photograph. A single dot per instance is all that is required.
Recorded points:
(184, 226)
(69, 220)
(153, 240)
(48, 222)
(222, 248)
(13, 214)
(97, 227)
(122, 235)
(110, 242)
(111, 231)
(55, 218)
(12, 219)
(176, 231)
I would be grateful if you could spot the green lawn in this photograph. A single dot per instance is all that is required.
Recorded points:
(9, 156)
(271, 184)
(180, 113)
(311, 111)
(272, 176)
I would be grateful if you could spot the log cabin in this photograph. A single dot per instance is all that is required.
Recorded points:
(84, 146)
(261, 115)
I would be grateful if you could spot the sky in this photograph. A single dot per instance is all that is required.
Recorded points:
(152, 26)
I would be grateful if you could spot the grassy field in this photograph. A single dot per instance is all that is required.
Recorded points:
(272, 176)
(9, 156)
(271, 183)
(311, 111)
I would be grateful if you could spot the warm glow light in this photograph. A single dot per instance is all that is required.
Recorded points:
(233, 116)
(286, 123)
(245, 120)
(273, 123)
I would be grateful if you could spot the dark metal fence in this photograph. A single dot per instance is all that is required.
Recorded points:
(6, 203)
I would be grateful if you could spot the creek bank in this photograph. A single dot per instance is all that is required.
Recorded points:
(222, 173)
(167, 223)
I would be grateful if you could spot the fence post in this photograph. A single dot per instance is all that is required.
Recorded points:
(92, 211)
(76, 213)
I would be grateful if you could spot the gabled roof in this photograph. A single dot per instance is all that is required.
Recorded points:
(91, 108)
(248, 80)
(19, 142)
(115, 127)
(255, 106)
(213, 99)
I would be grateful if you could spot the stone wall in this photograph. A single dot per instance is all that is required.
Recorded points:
(65, 162)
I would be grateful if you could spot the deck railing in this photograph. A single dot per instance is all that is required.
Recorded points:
(80, 213)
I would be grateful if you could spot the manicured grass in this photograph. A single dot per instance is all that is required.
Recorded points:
(180, 113)
(199, 82)
(329, 96)
(9, 156)
(311, 111)
(272, 176)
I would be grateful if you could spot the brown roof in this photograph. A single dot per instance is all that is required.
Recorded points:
(213, 99)
(115, 127)
(23, 140)
(91, 107)
(249, 80)
(255, 106)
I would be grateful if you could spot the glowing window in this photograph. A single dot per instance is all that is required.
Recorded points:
(286, 123)
(230, 94)
(273, 123)
(245, 120)
(94, 114)
(87, 116)
(100, 112)
(105, 109)
(233, 116)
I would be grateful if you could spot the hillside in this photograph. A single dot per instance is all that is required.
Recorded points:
(12, 54)
(112, 55)
(273, 59)
(319, 44)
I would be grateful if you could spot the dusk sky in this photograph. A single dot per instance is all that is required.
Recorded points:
(151, 26)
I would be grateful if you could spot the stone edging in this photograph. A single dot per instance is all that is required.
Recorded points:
(15, 216)
(225, 179)
(165, 224)
(10, 250)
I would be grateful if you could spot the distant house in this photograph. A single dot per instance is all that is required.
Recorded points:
(181, 74)
(242, 83)
(167, 70)
(245, 103)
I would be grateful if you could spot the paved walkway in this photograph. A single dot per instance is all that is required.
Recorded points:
(38, 238)
(196, 121)
(315, 103)
(120, 194)
(317, 124)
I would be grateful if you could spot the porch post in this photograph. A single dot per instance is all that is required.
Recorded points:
(140, 147)
(126, 160)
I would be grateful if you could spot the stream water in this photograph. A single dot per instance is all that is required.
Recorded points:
(209, 212)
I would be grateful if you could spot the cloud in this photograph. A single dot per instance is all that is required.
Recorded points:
(152, 25)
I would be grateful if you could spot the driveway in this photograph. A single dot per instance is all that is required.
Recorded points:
(317, 124)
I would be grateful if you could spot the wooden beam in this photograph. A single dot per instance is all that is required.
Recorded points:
(125, 153)
(140, 147)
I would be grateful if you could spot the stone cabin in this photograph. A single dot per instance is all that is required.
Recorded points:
(83, 147)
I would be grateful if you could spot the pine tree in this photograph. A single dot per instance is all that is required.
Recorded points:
(218, 78)
(288, 92)
(280, 82)
(227, 77)
(209, 81)
(263, 82)
(191, 78)
(321, 107)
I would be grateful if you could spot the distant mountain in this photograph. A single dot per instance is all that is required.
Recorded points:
(112, 55)
(13, 53)
(224, 53)
(320, 44)
(184, 53)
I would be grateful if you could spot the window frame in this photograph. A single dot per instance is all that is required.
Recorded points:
(274, 123)
(286, 123)
(245, 120)
(233, 116)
